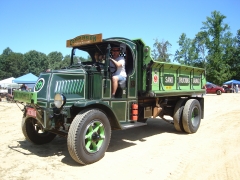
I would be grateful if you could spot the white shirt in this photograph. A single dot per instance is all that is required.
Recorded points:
(120, 70)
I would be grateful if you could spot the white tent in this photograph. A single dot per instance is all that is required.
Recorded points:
(5, 82)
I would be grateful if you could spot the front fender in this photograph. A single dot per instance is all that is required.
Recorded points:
(84, 104)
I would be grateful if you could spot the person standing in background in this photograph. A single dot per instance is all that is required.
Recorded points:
(23, 87)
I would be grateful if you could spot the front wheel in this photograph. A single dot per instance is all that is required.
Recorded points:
(34, 132)
(89, 136)
(219, 92)
(191, 116)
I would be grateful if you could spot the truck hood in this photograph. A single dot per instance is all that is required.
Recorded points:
(70, 83)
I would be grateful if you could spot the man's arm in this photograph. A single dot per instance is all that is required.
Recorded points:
(117, 63)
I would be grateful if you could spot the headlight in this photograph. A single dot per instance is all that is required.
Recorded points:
(59, 100)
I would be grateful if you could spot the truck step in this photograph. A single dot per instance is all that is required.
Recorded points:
(132, 125)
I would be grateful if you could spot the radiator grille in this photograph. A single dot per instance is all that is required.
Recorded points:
(74, 86)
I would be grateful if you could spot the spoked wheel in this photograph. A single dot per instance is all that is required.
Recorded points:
(89, 136)
(177, 115)
(33, 132)
(191, 116)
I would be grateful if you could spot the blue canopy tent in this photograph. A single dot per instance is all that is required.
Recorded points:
(28, 79)
(232, 82)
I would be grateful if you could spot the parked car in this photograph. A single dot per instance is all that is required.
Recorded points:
(214, 89)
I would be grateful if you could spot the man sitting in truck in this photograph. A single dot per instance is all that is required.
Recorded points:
(120, 72)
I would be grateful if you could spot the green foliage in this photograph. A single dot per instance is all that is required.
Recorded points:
(54, 60)
(234, 58)
(160, 51)
(36, 62)
(213, 48)
(65, 62)
(17, 64)
(218, 70)
(199, 43)
(186, 54)
(10, 64)
(6, 51)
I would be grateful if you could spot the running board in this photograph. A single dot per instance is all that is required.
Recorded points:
(132, 125)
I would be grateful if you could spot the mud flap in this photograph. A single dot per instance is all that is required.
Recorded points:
(157, 109)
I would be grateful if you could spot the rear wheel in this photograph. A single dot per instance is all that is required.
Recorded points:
(177, 115)
(89, 136)
(191, 116)
(33, 132)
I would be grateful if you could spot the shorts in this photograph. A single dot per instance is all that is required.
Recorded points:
(120, 78)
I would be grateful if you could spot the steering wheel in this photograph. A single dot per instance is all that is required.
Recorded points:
(99, 65)
(113, 67)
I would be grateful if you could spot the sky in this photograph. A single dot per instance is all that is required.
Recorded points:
(45, 25)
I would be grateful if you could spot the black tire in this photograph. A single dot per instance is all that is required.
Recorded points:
(89, 136)
(33, 132)
(177, 115)
(219, 92)
(191, 116)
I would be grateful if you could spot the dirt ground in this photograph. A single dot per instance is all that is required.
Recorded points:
(156, 151)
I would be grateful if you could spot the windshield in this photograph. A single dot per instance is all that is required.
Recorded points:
(90, 55)
(80, 56)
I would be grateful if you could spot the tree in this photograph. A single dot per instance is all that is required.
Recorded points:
(186, 54)
(65, 62)
(234, 59)
(160, 51)
(54, 60)
(36, 62)
(10, 64)
(4, 73)
(15, 61)
(7, 51)
(218, 70)
(200, 42)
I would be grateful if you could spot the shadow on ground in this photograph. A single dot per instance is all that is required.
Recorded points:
(58, 147)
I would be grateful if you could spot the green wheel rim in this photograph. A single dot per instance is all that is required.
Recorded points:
(94, 136)
(195, 117)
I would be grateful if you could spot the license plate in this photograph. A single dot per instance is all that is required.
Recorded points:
(31, 112)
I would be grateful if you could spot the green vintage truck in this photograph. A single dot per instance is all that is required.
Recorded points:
(75, 102)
